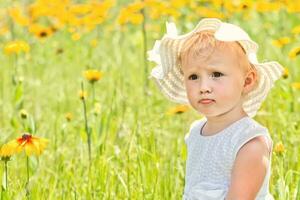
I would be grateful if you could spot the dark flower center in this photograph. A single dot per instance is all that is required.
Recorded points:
(43, 34)
(26, 137)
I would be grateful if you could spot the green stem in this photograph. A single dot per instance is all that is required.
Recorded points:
(4, 187)
(93, 88)
(145, 49)
(6, 181)
(292, 102)
(27, 164)
(27, 182)
(15, 66)
(86, 125)
(11, 27)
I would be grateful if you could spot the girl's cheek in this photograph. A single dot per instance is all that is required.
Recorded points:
(219, 87)
(194, 87)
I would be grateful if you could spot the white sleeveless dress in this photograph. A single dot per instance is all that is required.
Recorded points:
(210, 159)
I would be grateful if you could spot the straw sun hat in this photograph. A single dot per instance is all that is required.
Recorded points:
(169, 79)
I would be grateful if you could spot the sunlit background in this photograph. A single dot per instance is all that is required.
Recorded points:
(81, 120)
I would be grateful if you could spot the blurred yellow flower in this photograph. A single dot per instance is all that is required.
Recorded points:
(16, 47)
(296, 30)
(179, 3)
(296, 85)
(80, 9)
(69, 116)
(29, 143)
(92, 75)
(207, 12)
(136, 6)
(94, 42)
(18, 17)
(285, 73)
(131, 14)
(82, 95)
(41, 31)
(75, 36)
(136, 18)
(263, 6)
(23, 114)
(6, 152)
(178, 109)
(4, 29)
(294, 52)
(279, 148)
(293, 7)
(72, 29)
(281, 41)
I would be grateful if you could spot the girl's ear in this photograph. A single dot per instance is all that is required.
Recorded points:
(249, 82)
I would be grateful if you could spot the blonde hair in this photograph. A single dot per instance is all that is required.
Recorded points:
(203, 44)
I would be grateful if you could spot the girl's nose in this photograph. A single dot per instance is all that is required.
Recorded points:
(205, 87)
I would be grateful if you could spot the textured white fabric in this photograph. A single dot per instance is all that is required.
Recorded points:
(210, 159)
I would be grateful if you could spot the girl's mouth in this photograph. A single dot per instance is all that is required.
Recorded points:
(206, 101)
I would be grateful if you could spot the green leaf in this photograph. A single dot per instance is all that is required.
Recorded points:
(298, 191)
(18, 93)
(4, 182)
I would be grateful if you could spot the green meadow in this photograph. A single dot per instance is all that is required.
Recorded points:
(135, 135)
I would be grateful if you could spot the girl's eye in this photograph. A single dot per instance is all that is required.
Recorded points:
(217, 74)
(192, 77)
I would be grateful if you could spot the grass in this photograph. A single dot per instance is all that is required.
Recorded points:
(138, 151)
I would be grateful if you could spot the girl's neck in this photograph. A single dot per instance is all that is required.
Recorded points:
(214, 125)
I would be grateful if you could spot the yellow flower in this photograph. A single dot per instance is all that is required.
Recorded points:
(75, 36)
(41, 31)
(178, 109)
(82, 95)
(262, 6)
(6, 152)
(294, 52)
(279, 148)
(16, 47)
(3, 30)
(29, 143)
(131, 14)
(179, 3)
(80, 9)
(296, 30)
(71, 29)
(281, 41)
(136, 6)
(69, 116)
(94, 42)
(136, 18)
(293, 7)
(23, 114)
(207, 12)
(296, 85)
(285, 73)
(92, 75)
(18, 17)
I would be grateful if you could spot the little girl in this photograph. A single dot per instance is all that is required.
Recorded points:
(214, 69)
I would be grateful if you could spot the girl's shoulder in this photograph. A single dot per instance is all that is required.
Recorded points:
(194, 125)
(251, 130)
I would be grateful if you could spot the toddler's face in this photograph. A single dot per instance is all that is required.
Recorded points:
(219, 78)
